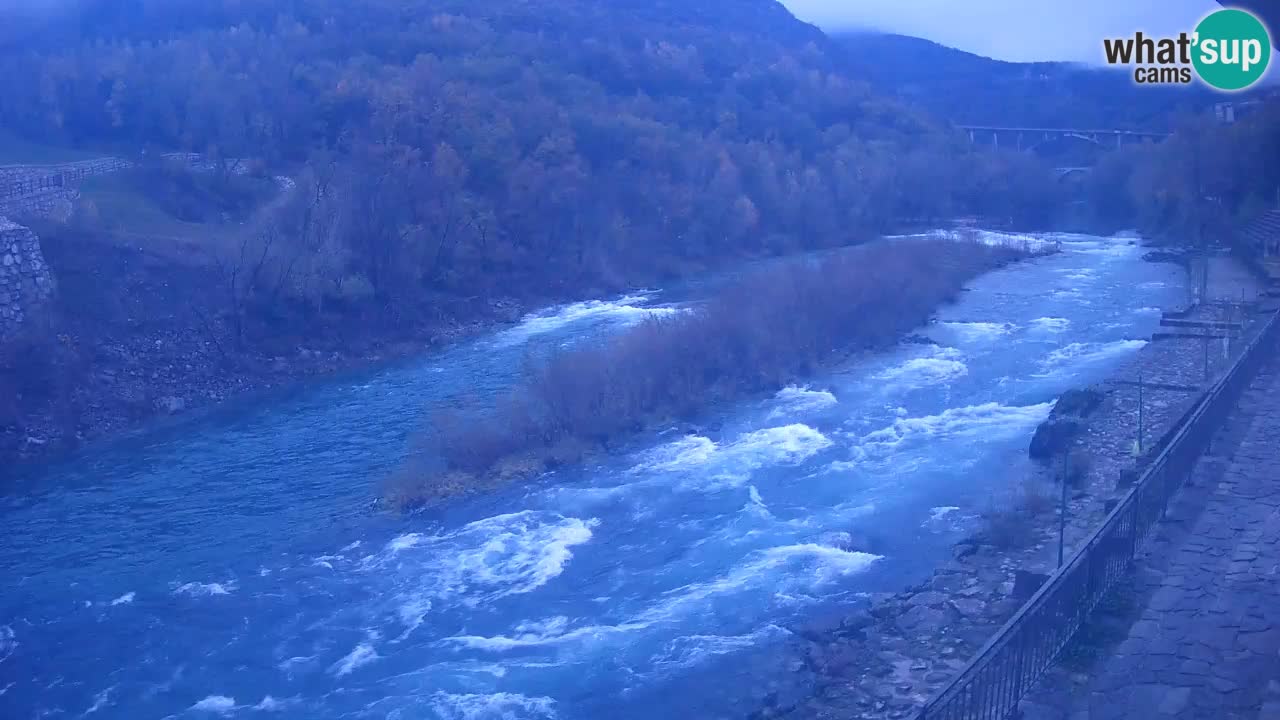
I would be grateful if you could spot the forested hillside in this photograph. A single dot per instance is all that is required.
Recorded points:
(1200, 185)
(574, 143)
(444, 161)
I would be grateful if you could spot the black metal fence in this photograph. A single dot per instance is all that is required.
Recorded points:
(998, 676)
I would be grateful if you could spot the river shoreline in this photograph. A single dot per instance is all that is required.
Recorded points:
(632, 579)
(887, 661)
(113, 417)
(136, 385)
(742, 340)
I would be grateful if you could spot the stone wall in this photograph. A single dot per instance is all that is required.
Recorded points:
(25, 282)
(39, 190)
(48, 203)
(23, 180)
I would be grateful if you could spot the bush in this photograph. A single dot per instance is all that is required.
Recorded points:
(769, 328)
(1007, 527)
(1010, 522)
(1079, 463)
(1037, 498)
(198, 195)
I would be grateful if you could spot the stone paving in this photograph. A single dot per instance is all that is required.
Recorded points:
(1203, 642)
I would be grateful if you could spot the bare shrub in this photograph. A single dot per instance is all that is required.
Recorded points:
(1010, 520)
(412, 487)
(1079, 463)
(1007, 526)
(769, 328)
(1037, 498)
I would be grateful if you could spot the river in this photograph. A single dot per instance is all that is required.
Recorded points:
(234, 566)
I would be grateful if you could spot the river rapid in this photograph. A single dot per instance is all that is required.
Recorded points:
(234, 566)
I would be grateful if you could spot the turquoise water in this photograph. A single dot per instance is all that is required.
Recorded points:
(235, 566)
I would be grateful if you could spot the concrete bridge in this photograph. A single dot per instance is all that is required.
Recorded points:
(1065, 171)
(1027, 138)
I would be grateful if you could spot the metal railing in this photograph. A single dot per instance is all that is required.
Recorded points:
(1001, 673)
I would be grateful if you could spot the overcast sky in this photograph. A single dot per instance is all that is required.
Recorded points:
(1019, 30)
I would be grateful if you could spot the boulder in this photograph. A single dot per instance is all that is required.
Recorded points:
(822, 628)
(1026, 583)
(171, 404)
(964, 549)
(1077, 403)
(847, 541)
(1054, 436)
(924, 620)
(970, 607)
(929, 599)
(839, 659)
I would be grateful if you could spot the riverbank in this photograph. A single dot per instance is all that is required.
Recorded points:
(656, 581)
(887, 661)
(133, 340)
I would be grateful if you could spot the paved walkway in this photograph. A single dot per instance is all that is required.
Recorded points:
(1203, 639)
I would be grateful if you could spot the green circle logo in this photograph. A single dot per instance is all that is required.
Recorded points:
(1232, 49)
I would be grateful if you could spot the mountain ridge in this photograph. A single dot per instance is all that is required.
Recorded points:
(966, 88)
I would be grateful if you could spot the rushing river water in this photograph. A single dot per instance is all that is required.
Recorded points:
(234, 566)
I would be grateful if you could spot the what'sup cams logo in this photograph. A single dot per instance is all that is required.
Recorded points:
(1230, 50)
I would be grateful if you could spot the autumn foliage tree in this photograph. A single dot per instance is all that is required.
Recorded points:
(537, 148)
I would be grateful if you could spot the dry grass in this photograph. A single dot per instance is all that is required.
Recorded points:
(1010, 521)
(1079, 463)
(131, 209)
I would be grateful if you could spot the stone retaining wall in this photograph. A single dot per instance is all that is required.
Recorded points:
(25, 282)
(49, 202)
(22, 180)
(38, 190)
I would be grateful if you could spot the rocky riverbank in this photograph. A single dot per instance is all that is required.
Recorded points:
(887, 661)
(128, 394)
(131, 340)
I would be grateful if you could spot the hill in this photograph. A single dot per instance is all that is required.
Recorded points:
(447, 155)
(970, 89)
(495, 138)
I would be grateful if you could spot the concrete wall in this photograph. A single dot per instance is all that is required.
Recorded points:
(25, 283)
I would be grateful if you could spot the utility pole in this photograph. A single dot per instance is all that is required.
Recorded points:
(1062, 509)
(1204, 258)
(1140, 412)
(1206, 353)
